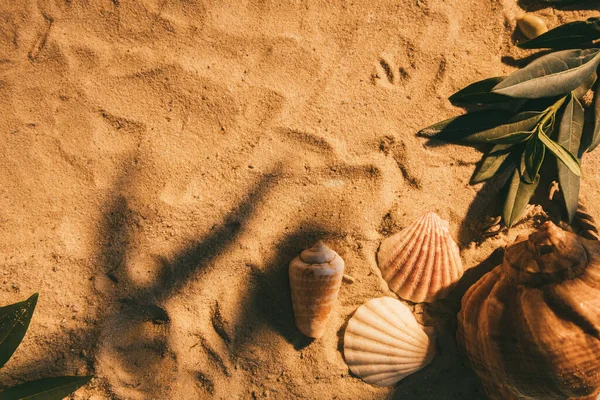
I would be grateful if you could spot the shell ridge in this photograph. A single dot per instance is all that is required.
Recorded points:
(399, 279)
(366, 331)
(422, 271)
(404, 252)
(404, 320)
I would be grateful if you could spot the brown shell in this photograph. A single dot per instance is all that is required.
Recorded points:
(531, 327)
(315, 279)
(422, 262)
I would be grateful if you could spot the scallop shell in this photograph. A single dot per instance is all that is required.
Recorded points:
(315, 279)
(422, 262)
(384, 343)
(531, 25)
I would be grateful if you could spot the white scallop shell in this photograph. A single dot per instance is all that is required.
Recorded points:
(384, 343)
(422, 262)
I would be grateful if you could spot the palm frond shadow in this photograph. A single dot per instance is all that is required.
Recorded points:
(138, 306)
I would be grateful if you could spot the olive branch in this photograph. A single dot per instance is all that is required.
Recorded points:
(534, 111)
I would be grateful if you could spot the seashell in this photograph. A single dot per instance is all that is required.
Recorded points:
(422, 262)
(531, 25)
(531, 327)
(315, 279)
(384, 343)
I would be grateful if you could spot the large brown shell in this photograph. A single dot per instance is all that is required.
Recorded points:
(315, 279)
(422, 262)
(531, 327)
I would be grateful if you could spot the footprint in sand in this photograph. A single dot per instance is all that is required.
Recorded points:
(387, 74)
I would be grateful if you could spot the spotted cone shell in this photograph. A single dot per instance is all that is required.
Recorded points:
(315, 279)
(530, 328)
(422, 262)
(384, 343)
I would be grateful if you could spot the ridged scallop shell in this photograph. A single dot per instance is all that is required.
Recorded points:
(422, 262)
(315, 279)
(384, 343)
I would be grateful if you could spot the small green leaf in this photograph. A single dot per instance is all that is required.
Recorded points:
(479, 93)
(491, 162)
(566, 36)
(45, 389)
(519, 194)
(534, 157)
(569, 136)
(554, 74)
(14, 321)
(562, 154)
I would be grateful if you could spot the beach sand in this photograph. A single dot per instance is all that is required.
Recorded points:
(162, 161)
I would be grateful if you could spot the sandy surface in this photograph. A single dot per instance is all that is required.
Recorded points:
(162, 161)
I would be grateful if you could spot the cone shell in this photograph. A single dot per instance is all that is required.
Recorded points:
(422, 262)
(315, 279)
(384, 343)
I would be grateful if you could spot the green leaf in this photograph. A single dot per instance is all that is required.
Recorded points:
(454, 129)
(566, 36)
(569, 136)
(491, 162)
(554, 74)
(562, 154)
(515, 130)
(45, 389)
(14, 321)
(595, 139)
(479, 93)
(519, 194)
(534, 157)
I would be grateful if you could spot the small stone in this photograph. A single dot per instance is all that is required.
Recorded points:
(348, 278)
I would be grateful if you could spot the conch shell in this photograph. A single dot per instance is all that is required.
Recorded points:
(422, 262)
(315, 279)
(384, 343)
(531, 327)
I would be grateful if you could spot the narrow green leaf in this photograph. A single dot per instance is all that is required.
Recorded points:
(479, 93)
(569, 136)
(534, 157)
(595, 139)
(454, 129)
(519, 194)
(562, 154)
(45, 389)
(515, 130)
(566, 36)
(490, 163)
(14, 321)
(554, 74)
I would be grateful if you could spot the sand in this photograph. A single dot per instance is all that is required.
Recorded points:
(161, 163)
